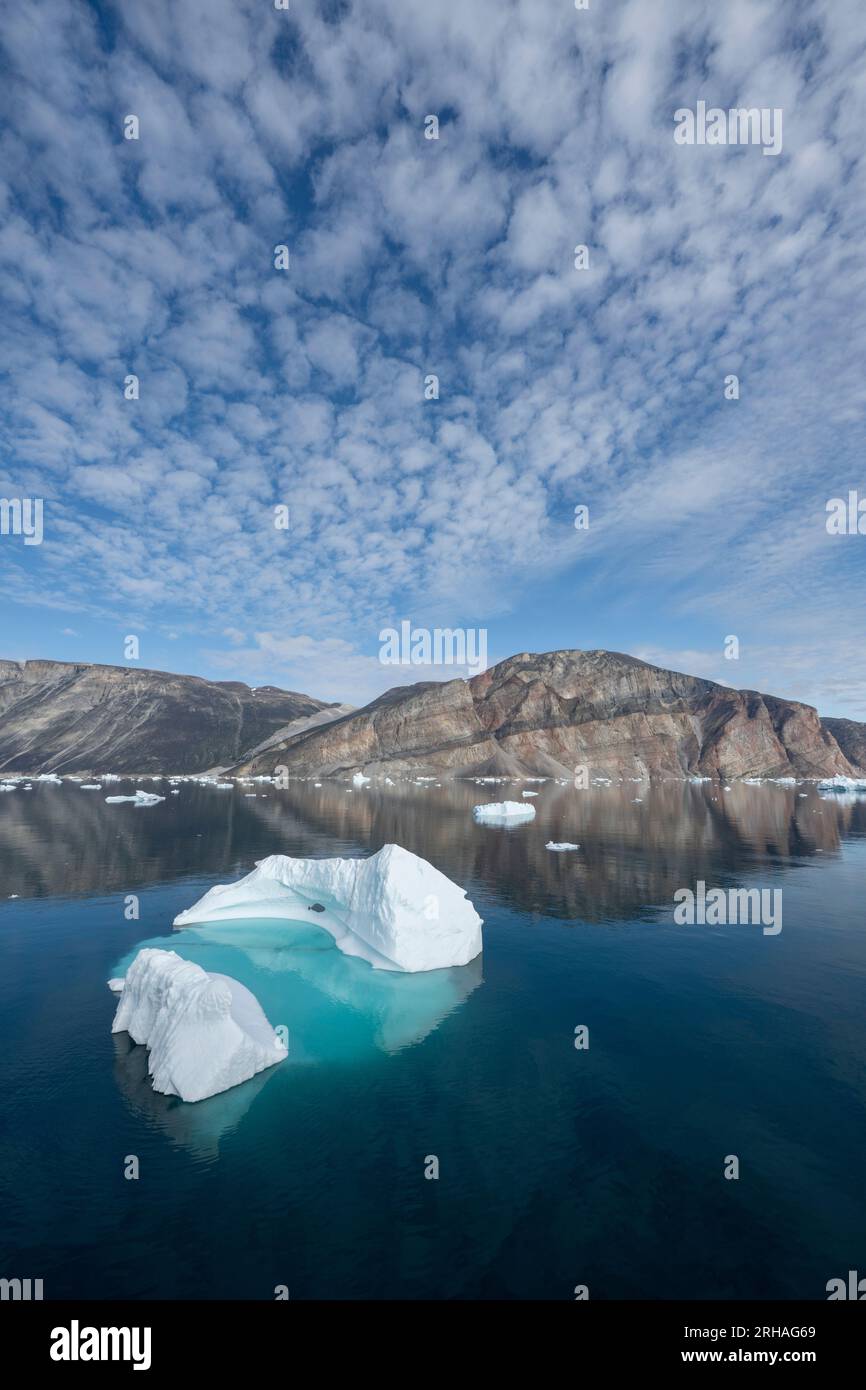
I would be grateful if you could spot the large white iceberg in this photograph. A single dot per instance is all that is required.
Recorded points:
(394, 910)
(500, 812)
(205, 1032)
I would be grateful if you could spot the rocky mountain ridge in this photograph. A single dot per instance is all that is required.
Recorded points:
(550, 713)
(58, 716)
(532, 714)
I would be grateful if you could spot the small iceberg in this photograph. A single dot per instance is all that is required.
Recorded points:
(205, 1033)
(359, 780)
(843, 785)
(140, 799)
(561, 847)
(501, 812)
(91, 787)
(529, 793)
(393, 910)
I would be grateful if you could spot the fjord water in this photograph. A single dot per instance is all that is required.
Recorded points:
(558, 1166)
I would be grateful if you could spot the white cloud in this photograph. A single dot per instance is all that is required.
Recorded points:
(453, 257)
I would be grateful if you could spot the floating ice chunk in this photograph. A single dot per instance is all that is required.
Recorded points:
(50, 777)
(359, 780)
(501, 812)
(561, 847)
(857, 785)
(393, 909)
(91, 786)
(140, 799)
(205, 1033)
(529, 793)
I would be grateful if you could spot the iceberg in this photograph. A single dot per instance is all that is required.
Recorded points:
(561, 847)
(359, 780)
(501, 812)
(140, 799)
(205, 1033)
(529, 793)
(842, 785)
(393, 910)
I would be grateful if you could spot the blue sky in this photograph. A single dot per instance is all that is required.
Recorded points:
(409, 256)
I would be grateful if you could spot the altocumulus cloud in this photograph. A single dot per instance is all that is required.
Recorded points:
(452, 257)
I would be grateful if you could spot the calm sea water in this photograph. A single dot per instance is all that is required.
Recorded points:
(558, 1167)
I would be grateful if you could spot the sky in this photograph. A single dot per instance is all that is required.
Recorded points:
(408, 257)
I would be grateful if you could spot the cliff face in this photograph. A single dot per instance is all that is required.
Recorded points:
(548, 714)
(65, 717)
(851, 738)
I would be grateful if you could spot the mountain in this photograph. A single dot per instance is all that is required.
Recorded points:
(532, 714)
(851, 738)
(58, 716)
(548, 714)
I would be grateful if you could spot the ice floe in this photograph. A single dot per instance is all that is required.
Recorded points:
(140, 799)
(561, 847)
(205, 1033)
(501, 812)
(843, 785)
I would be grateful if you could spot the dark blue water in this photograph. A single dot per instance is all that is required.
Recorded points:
(558, 1167)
